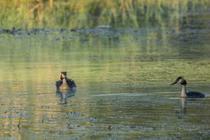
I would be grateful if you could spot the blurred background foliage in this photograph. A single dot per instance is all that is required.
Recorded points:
(93, 13)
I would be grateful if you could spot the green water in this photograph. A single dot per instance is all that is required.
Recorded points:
(123, 78)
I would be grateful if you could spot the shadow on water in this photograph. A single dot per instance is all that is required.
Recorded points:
(65, 95)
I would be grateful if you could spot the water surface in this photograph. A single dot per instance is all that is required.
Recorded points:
(123, 78)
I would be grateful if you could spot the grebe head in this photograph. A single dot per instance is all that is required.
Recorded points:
(63, 75)
(180, 80)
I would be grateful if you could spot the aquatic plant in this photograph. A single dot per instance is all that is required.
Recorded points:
(92, 13)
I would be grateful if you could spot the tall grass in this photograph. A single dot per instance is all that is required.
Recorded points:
(91, 13)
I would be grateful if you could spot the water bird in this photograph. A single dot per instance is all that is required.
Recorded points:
(65, 84)
(184, 93)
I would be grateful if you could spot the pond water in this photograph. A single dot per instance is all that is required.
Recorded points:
(123, 78)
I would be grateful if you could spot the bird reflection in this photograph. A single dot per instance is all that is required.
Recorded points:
(65, 95)
(183, 108)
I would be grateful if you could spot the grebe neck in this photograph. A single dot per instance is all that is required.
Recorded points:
(64, 81)
(184, 91)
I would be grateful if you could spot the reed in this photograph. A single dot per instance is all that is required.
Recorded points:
(92, 13)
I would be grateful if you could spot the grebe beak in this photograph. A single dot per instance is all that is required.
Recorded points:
(177, 80)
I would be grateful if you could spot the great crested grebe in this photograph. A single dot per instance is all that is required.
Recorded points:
(184, 92)
(65, 84)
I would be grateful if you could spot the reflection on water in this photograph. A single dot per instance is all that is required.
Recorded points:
(183, 108)
(64, 96)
